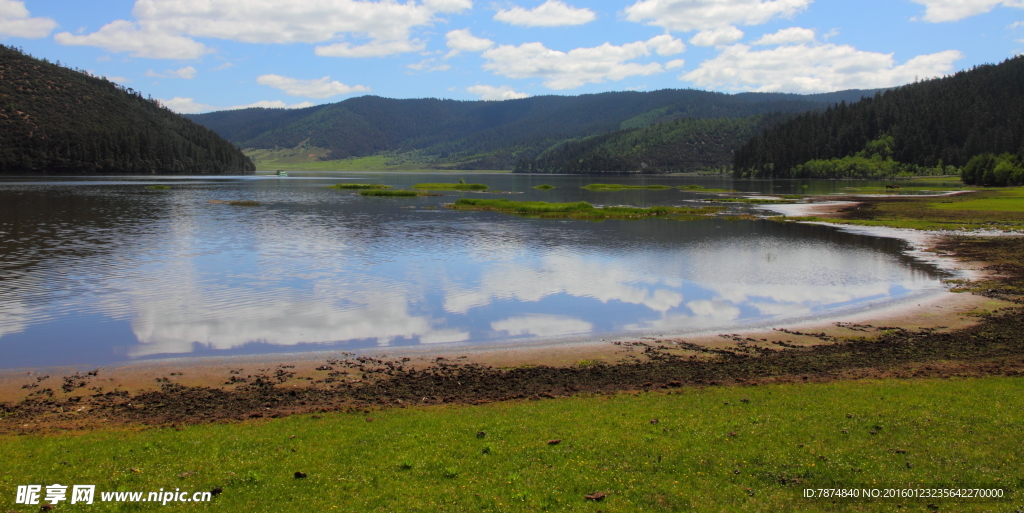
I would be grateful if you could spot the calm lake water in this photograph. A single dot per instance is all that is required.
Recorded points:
(98, 271)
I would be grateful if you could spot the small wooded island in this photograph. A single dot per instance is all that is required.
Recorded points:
(56, 120)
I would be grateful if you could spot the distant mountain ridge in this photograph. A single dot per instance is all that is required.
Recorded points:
(488, 134)
(58, 120)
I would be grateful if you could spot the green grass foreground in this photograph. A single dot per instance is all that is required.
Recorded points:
(391, 194)
(711, 449)
(451, 186)
(357, 186)
(575, 210)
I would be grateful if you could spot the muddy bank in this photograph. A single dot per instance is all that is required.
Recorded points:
(994, 347)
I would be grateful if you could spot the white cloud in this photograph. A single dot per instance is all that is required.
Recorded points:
(463, 41)
(675, 63)
(276, 104)
(371, 49)
(188, 73)
(568, 70)
(318, 88)
(666, 45)
(119, 80)
(687, 15)
(490, 93)
(937, 11)
(15, 21)
(813, 69)
(187, 105)
(449, 5)
(190, 106)
(428, 65)
(125, 36)
(552, 13)
(717, 37)
(791, 35)
(163, 28)
(224, 66)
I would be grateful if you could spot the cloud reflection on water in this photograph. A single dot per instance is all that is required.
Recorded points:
(311, 266)
(542, 325)
(561, 272)
(175, 323)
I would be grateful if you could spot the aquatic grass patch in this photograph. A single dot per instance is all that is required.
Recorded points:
(236, 203)
(451, 186)
(543, 187)
(708, 449)
(575, 210)
(391, 193)
(621, 187)
(158, 187)
(699, 188)
(753, 201)
(358, 186)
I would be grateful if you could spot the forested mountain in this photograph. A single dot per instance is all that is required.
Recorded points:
(944, 121)
(487, 135)
(687, 144)
(58, 120)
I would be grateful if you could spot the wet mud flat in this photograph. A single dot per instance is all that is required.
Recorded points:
(994, 346)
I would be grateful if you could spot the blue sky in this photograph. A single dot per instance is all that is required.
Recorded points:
(203, 55)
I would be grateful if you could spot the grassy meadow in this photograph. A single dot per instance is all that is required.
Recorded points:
(311, 158)
(982, 209)
(752, 448)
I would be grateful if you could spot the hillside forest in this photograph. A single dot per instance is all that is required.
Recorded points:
(973, 118)
(57, 120)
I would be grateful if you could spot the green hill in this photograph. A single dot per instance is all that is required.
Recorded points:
(940, 122)
(57, 120)
(483, 134)
(686, 144)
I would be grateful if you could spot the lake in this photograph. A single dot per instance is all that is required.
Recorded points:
(95, 271)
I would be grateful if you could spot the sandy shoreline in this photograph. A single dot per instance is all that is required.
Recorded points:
(939, 311)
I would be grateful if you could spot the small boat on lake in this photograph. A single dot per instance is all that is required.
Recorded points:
(281, 172)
